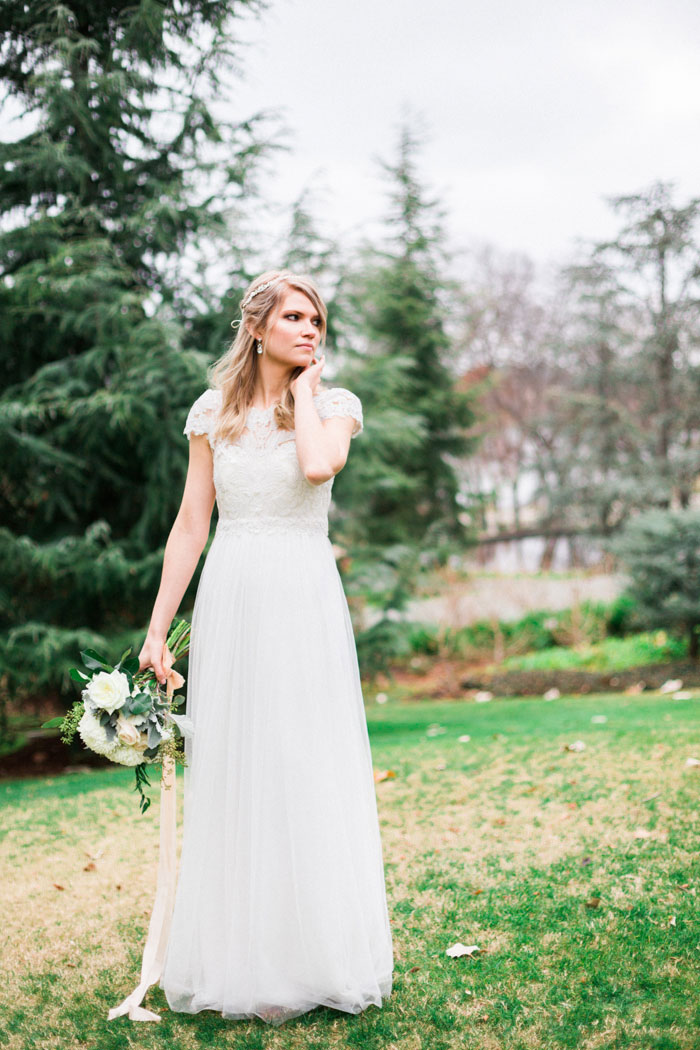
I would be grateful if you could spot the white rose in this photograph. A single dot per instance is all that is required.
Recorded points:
(127, 732)
(108, 691)
(94, 737)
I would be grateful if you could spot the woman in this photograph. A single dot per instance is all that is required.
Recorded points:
(280, 903)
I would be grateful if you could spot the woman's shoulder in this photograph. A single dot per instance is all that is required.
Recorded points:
(201, 415)
(339, 401)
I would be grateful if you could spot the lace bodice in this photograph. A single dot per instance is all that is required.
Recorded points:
(259, 484)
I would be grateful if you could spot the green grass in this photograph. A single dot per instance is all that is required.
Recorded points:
(612, 654)
(499, 841)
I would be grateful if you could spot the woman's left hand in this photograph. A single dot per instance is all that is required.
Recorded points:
(310, 377)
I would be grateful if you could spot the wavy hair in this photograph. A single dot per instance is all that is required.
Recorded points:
(235, 371)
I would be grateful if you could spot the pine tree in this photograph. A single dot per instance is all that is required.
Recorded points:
(398, 305)
(123, 171)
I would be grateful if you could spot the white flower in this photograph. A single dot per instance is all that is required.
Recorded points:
(127, 731)
(107, 691)
(93, 736)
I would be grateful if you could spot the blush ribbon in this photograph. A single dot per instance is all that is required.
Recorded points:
(159, 926)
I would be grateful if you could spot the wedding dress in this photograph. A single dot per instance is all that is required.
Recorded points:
(280, 903)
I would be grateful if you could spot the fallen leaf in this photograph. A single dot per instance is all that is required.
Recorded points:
(459, 949)
(413, 969)
(59, 887)
(383, 774)
(592, 902)
(672, 921)
(90, 866)
(435, 729)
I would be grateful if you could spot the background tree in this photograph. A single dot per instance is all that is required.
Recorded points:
(661, 551)
(120, 173)
(398, 304)
(657, 257)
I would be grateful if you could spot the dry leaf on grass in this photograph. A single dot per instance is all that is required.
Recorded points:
(458, 949)
(592, 902)
(383, 774)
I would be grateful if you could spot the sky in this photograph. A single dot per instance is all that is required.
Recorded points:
(533, 111)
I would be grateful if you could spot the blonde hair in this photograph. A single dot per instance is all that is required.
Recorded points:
(234, 372)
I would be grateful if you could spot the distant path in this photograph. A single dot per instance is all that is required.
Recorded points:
(510, 597)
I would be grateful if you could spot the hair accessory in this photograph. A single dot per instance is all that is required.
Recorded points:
(260, 289)
(259, 346)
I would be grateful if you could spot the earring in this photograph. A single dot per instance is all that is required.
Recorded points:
(259, 346)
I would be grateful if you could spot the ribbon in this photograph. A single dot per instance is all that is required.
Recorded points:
(159, 925)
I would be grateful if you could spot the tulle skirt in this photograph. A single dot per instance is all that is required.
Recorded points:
(280, 903)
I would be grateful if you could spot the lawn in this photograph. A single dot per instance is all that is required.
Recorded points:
(576, 874)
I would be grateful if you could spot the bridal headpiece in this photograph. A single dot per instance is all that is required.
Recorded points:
(261, 288)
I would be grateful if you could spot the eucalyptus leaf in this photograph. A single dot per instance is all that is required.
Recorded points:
(52, 723)
(184, 724)
(140, 704)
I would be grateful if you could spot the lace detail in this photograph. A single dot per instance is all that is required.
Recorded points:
(340, 402)
(259, 483)
(268, 525)
(202, 416)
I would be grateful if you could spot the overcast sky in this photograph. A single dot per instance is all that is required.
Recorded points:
(535, 109)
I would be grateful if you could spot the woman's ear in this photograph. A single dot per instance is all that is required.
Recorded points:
(252, 331)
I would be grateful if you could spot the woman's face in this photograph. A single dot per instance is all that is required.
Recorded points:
(293, 336)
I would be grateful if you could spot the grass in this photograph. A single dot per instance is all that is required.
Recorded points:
(505, 841)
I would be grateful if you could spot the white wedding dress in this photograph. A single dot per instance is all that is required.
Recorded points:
(280, 904)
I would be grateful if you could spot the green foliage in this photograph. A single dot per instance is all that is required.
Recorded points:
(661, 551)
(397, 300)
(101, 198)
(612, 654)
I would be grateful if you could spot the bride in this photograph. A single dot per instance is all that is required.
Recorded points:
(280, 904)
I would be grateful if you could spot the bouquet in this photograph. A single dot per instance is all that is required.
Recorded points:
(125, 713)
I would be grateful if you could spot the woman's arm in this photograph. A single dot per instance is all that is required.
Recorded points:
(322, 446)
(183, 550)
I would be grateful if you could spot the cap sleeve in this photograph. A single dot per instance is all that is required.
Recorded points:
(340, 402)
(202, 416)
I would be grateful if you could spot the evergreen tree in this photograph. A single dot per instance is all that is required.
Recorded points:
(398, 303)
(123, 171)
(661, 550)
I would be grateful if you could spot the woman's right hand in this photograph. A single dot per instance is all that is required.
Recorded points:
(151, 655)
